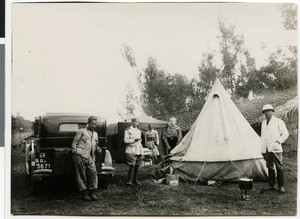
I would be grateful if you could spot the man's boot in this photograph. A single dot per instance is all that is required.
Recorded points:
(271, 179)
(92, 194)
(281, 189)
(130, 172)
(85, 195)
(280, 181)
(135, 181)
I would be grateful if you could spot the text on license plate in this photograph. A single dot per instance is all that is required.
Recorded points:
(41, 164)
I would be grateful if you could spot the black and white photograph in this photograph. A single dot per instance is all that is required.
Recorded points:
(154, 109)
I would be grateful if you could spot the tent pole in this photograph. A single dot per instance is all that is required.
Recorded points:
(198, 177)
(239, 169)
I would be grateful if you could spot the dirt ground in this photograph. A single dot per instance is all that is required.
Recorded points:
(154, 199)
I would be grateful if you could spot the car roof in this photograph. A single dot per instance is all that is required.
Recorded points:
(68, 117)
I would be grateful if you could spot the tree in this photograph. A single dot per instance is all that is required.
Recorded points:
(130, 105)
(19, 124)
(231, 46)
(281, 68)
(207, 75)
(133, 97)
(278, 74)
(128, 54)
(239, 67)
(164, 93)
(247, 73)
(289, 15)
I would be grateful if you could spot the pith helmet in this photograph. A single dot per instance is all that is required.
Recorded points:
(268, 107)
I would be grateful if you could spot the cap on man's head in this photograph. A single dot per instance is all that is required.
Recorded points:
(268, 107)
(92, 118)
(134, 120)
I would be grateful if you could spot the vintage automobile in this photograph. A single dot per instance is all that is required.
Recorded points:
(49, 153)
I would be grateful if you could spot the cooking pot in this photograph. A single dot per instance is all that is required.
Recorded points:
(245, 183)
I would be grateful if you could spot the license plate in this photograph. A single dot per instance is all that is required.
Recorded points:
(41, 164)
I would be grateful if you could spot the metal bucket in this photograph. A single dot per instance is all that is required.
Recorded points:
(245, 184)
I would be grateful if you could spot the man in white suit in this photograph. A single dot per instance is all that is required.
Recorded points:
(134, 151)
(273, 134)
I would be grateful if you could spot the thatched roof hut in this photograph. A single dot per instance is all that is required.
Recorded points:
(251, 110)
(288, 112)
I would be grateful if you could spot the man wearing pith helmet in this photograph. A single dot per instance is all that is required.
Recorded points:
(273, 134)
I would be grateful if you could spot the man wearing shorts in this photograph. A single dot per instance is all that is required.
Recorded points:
(133, 151)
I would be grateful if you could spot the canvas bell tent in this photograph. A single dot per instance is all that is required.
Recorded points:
(221, 145)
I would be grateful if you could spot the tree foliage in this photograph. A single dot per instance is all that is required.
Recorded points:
(130, 104)
(231, 48)
(208, 73)
(237, 64)
(278, 74)
(247, 75)
(289, 15)
(132, 100)
(281, 69)
(128, 54)
(164, 93)
(19, 124)
(239, 71)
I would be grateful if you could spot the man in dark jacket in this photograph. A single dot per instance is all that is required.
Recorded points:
(172, 135)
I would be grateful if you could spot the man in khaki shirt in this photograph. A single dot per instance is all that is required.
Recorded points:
(134, 151)
(84, 147)
(273, 134)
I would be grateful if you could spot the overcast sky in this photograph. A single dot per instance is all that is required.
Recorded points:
(66, 57)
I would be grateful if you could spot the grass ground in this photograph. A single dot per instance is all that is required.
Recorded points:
(151, 198)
